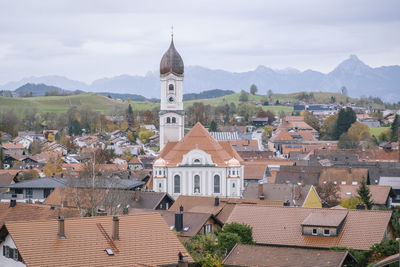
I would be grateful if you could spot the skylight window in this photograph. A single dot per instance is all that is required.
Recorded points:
(171, 227)
(185, 229)
(109, 252)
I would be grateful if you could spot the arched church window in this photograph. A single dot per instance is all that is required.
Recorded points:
(168, 120)
(217, 184)
(173, 120)
(177, 184)
(171, 87)
(196, 188)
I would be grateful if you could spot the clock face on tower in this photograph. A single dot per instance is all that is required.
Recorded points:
(171, 99)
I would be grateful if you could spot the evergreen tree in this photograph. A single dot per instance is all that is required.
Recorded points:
(365, 194)
(253, 89)
(130, 110)
(346, 118)
(395, 128)
(213, 127)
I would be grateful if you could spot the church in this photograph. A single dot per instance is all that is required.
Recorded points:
(195, 163)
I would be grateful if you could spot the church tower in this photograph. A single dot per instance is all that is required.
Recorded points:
(171, 111)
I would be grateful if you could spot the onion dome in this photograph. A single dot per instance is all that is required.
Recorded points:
(171, 62)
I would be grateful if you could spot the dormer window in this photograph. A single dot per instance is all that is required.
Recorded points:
(327, 232)
(196, 161)
(314, 231)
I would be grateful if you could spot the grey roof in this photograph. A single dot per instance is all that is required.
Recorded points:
(63, 182)
(225, 136)
(148, 200)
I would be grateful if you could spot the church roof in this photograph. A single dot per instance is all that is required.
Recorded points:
(222, 153)
(171, 61)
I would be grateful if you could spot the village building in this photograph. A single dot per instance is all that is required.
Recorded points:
(270, 256)
(290, 194)
(199, 165)
(314, 227)
(129, 240)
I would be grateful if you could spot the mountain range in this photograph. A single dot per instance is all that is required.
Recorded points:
(359, 79)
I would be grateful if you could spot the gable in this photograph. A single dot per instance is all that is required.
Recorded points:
(196, 157)
(312, 200)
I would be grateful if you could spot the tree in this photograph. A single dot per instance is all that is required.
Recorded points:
(245, 232)
(204, 250)
(347, 141)
(310, 119)
(144, 135)
(329, 193)
(28, 175)
(365, 194)
(213, 127)
(253, 89)
(345, 119)
(350, 203)
(244, 96)
(35, 147)
(395, 128)
(148, 116)
(328, 128)
(360, 131)
(53, 167)
(268, 131)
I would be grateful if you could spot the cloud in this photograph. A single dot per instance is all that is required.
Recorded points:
(91, 39)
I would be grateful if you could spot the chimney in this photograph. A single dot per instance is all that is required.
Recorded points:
(261, 191)
(115, 230)
(137, 195)
(216, 201)
(360, 206)
(179, 222)
(61, 227)
(183, 260)
(180, 208)
(13, 202)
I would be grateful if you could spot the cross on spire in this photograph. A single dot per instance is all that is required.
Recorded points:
(172, 31)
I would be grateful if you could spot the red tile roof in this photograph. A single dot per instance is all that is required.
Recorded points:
(144, 240)
(282, 226)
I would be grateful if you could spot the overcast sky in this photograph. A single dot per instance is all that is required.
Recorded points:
(87, 40)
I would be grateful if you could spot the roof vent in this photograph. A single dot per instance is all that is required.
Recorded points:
(109, 252)
(216, 201)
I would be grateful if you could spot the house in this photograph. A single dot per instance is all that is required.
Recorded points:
(245, 145)
(187, 224)
(259, 122)
(290, 194)
(135, 164)
(7, 177)
(39, 189)
(199, 165)
(343, 176)
(314, 228)
(130, 240)
(270, 256)
(219, 207)
(298, 175)
(137, 199)
(255, 155)
(25, 140)
(381, 195)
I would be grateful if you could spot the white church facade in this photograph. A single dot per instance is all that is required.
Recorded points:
(195, 164)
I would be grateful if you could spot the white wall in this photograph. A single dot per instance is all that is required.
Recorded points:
(5, 262)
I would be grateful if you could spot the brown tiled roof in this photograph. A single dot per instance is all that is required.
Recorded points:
(135, 160)
(340, 175)
(267, 256)
(325, 218)
(73, 197)
(248, 144)
(379, 193)
(29, 212)
(379, 155)
(282, 226)
(295, 194)
(199, 138)
(143, 239)
(222, 211)
(252, 155)
(254, 170)
(8, 146)
(296, 174)
(193, 220)
(300, 125)
(294, 118)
